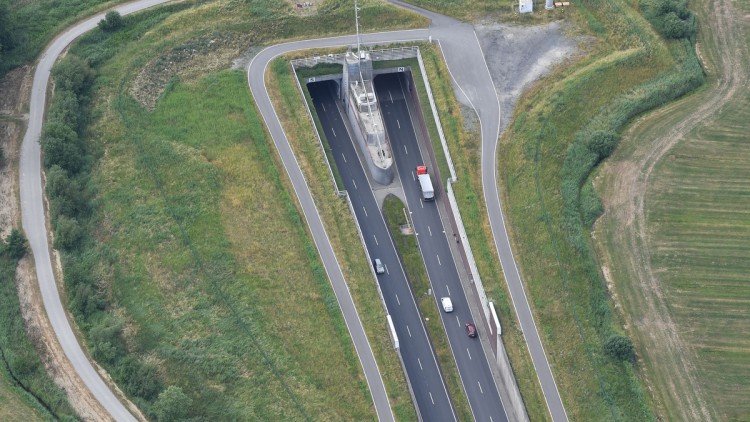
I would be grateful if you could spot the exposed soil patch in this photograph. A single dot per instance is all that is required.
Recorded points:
(195, 57)
(519, 55)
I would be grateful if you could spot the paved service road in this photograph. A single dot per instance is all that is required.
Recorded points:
(471, 361)
(417, 354)
(34, 221)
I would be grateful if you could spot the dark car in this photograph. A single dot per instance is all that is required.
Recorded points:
(471, 330)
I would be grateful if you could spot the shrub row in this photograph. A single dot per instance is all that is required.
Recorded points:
(671, 18)
(595, 142)
(67, 160)
(17, 353)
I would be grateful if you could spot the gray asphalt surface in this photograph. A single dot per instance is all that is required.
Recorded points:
(417, 354)
(471, 361)
(34, 221)
(468, 68)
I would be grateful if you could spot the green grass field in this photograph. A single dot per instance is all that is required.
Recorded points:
(206, 277)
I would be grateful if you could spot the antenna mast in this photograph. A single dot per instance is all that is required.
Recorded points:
(356, 19)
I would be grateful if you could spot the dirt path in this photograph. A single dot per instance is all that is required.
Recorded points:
(625, 182)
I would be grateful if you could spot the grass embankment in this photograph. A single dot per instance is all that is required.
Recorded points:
(698, 236)
(26, 391)
(27, 26)
(411, 258)
(186, 260)
(561, 130)
(341, 230)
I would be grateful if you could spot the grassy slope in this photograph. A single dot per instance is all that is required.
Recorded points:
(200, 247)
(696, 207)
(35, 23)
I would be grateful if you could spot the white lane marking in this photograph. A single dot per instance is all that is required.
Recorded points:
(457, 321)
(421, 202)
(438, 257)
(390, 95)
(467, 351)
(398, 123)
(376, 240)
(405, 151)
(431, 399)
(429, 230)
(408, 330)
(412, 175)
(343, 156)
(448, 288)
(334, 133)
(324, 108)
(355, 184)
(399, 302)
(420, 364)
(480, 387)
(388, 272)
(365, 210)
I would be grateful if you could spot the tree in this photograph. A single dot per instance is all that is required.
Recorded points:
(112, 21)
(60, 145)
(172, 405)
(602, 143)
(67, 232)
(620, 347)
(17, 244)
(73, 74)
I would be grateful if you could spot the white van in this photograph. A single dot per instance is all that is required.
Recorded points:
(447, 304)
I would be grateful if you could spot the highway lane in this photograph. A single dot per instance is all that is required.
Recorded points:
(417, 354)
(465, 60)
(34, 220)
(471, 361)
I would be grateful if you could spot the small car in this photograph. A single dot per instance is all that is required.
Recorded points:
(379, 268)
(447, 304)
(471, 330)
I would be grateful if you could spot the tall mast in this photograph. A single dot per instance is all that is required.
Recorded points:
(356, 19)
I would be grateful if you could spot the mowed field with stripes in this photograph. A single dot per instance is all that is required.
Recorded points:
(699, 217)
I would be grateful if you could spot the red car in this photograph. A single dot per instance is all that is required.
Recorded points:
(471, 330)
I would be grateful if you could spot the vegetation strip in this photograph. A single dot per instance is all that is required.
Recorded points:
(20, 361)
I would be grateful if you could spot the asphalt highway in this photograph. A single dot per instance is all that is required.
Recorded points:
(417, 354)
(471, 361)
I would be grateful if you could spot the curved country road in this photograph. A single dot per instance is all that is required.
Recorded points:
(34, 221)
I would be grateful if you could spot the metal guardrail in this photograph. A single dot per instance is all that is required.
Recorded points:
(376, 55)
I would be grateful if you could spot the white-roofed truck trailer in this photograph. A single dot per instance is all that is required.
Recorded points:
(425, 183)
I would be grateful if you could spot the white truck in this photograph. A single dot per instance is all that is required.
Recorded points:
(425, 183)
